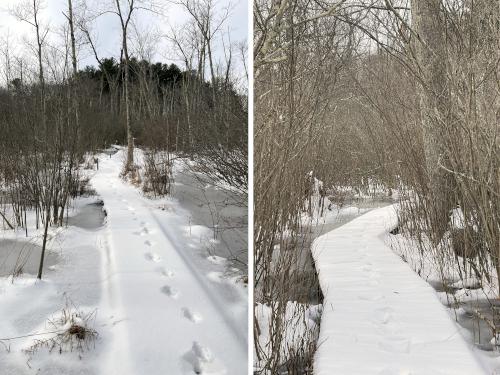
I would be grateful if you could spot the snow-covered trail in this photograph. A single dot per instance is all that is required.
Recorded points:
(169, 320)
(380, 317)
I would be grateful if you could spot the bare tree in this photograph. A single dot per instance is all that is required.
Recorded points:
(125, 18)
(208, 24)
(29, 12)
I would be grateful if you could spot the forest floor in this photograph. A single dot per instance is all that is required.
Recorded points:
(380, 317)
(150, 283)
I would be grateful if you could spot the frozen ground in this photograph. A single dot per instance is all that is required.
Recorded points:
(159, 302)
(379, 317)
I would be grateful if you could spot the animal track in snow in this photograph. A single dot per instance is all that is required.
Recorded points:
(170, 291)
(149, 243)
(166, 273)
(192, 315)
(144, 232)
(153, 257)
(203, 361)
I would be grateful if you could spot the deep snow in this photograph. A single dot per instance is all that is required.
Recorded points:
(162, 304)
(379, 317)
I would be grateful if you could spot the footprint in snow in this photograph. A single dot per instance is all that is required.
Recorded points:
(149, 243)
(144, 232)
(166, 273)
(170, 291)
(202, 361)
(192, 315)
(153, 257)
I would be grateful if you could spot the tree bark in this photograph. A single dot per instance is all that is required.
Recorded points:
(435, 107)
(130, 138)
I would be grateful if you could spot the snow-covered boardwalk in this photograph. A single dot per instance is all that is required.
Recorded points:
(380, 317)
(169, 320)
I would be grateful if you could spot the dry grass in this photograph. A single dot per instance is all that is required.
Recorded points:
(71, 331)
(157, 173)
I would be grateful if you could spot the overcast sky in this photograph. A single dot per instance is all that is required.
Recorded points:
(108, 33)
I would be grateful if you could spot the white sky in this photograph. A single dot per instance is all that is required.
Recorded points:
(106, 29)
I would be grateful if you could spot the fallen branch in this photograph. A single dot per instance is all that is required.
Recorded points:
(7, 221)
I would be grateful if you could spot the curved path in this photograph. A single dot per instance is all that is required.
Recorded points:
(380, 317)
(171, 321)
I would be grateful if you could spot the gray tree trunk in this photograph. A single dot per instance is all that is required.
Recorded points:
(435, 107)
(130, 138)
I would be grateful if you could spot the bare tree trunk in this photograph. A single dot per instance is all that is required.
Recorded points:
(72, 35)
(130, 138)
(44, 245)
(435, 106)
(39, 41)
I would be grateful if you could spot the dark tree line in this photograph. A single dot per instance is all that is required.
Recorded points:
(159, 92)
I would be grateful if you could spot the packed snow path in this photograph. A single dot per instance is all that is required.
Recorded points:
(169, 320)
(380, 317)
